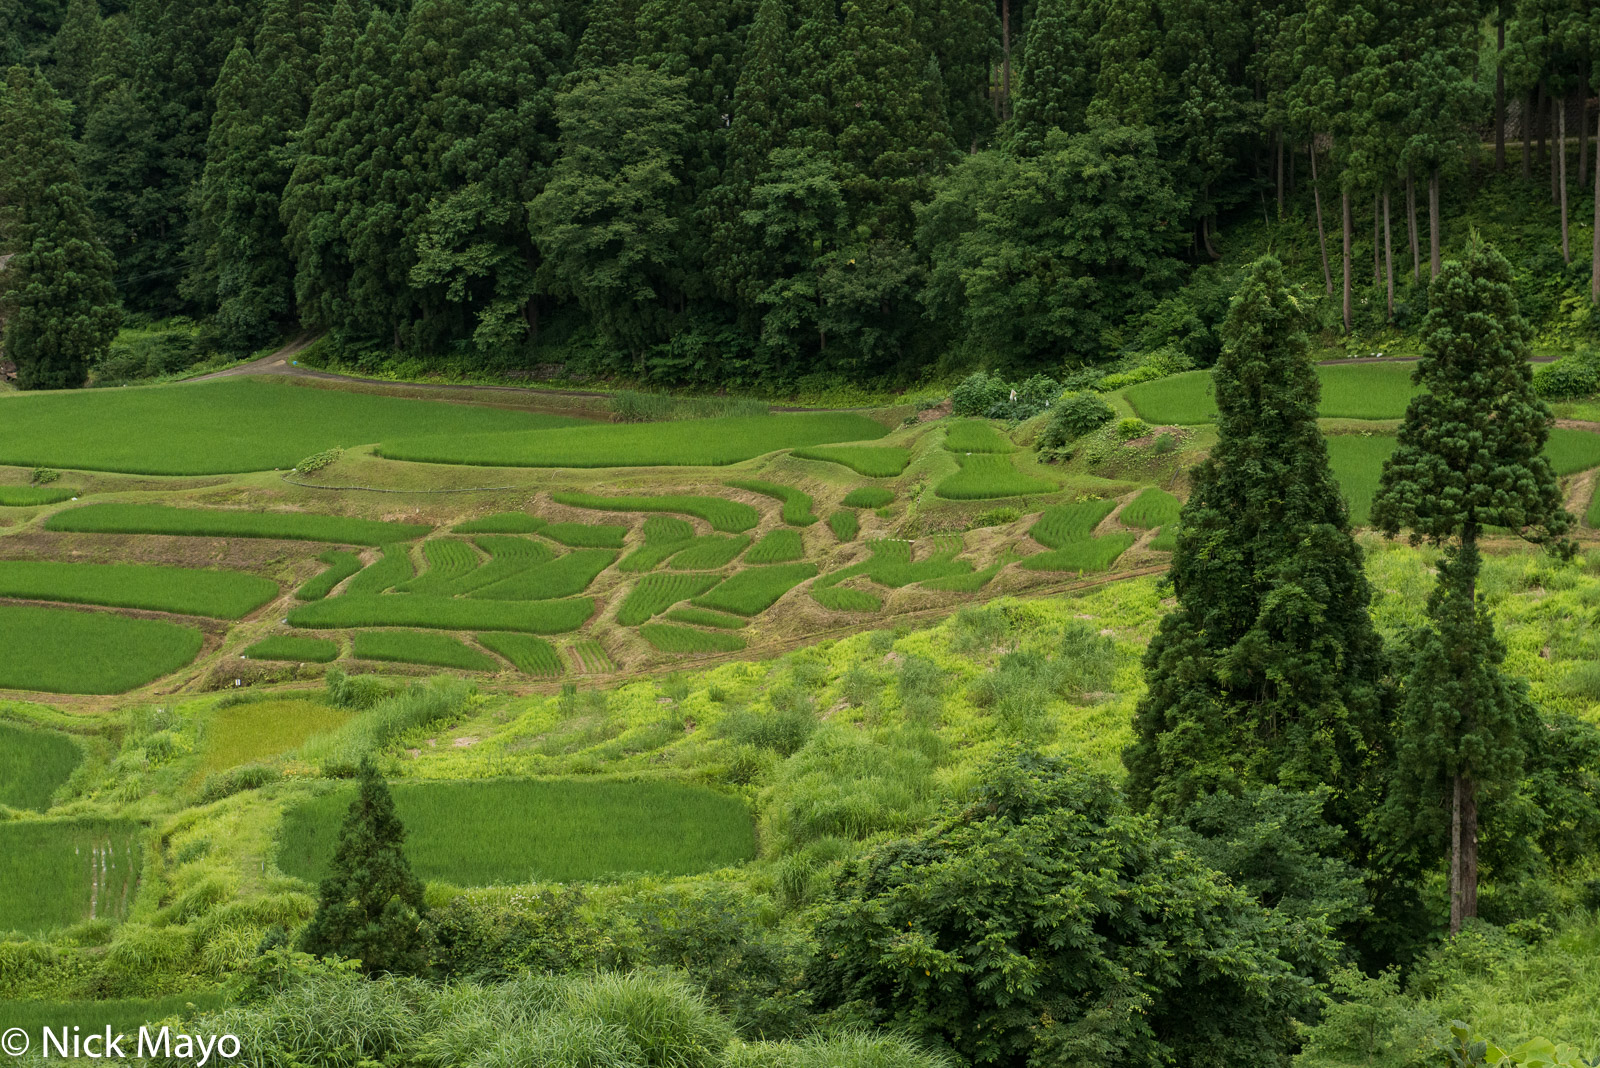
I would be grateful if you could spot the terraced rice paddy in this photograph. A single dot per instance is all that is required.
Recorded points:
(1349, 391)
(1068, 531)
(259, 731)
(222, 594)
(519, 831)
(565, 576)
(391, 569)
(34, 764)
(684, 443)
(663, 537)
(846, 599)
(701, 617)
(777, 547)
(1152, 508)
(844, 524)
(420, 647)
(984, 476)
(709, 552)
(891, 564)
(530, 655)
(587, 535)
(34, 496)
(230, 523)
(731, 517)
(509, 556)
(63, 650)
(341, 565)
(874, 461)
(59, 872)
(656, 593)
(294, 647)
(592, 657)
(668, 638)
(867, 497)
(449, 561)
(796, 504)
(973, 435)
(443, 613)
(755, 589)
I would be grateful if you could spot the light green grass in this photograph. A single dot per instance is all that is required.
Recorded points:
(732, 517)
(1068, 530)
(389, 570)
(122, 1015)
(973, 435)
(221, 594)
(59, 872)
(844, 524)
(1349, 391)
(294, 647)
(777, 547)
(444, 613)
(33, 765)
(224, 426)
(709, 552)
(685, 443)
(654, 594)
(449, 561)
(796, 504)
(565, 576)
(867, 497)
(587, 535)
(230, 523)
(420, 647)
(530, 655)
(341, 565)
(33, 496)
(1096, 554)
(668, 638)
(846, 599)
(753, 590)
(984, 476)
(258, 731)
(59, 650)
(700, 617)
(511, 831)
(502, 523)
(874, 461)
(1152, 508)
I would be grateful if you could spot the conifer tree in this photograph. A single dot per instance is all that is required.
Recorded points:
(1056, 82)
(963, 38)
(370, 907)
(59, 303)
(73, 53)
(1269, 671)
(1468, 456)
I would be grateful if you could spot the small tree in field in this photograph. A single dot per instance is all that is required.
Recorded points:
(370, 905)
(1468, 457)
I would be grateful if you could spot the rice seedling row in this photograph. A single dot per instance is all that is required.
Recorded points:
(33, 765)
(390, 570)
(443, 613)
(293, 647)
(731, 517)
(867, 497)
(1152, 508)
(1352, 391)
(220, 594)
(592, 657)
(891, 564)
(230, 523)
(587, 535)
(984, 476)
(656, 593)
(1069, 524)
(796, 504)
(530, 655)
(701, 617)
(449, 561)
(709, 552)
(873, 461)
(845, 599)
(59, 650)
(509, 556)
(1095, 554)
(777, 547)
(341, 565)
(502, 523)
(668, 638)
(419, 647)
(59, 872)
(970, 583)
(844, 524)
(753, 590)
(565, 576)
(34, 496)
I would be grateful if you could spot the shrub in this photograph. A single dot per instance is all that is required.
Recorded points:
(1574, 375)
(1074, 417)
(977, 393)
(317, 461)
(1128, 429)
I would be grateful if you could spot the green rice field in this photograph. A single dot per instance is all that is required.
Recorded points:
(656, 593)
(701, 617)
(33, 496)
(732, 517)
(974, 435)
(564, 576)
(777, 547)
(796, 504)
(294, 647)
(846, 599)
(449, 560)
(987, 475)
(61, 650)
(664, 535)
(341, 565)
(709, 552)
(226, 425)
(1152, 508)
(518, 831)
(509, 556)
(33, 765)
(221, 594)
(755, 589)
(844, 524)
(391, 569)
(443, 613)
(867, 497)
(685, 443)
(229, 523)
(59, 872)
(1349, 391)
(530, 655)
(420, 647)
(874, 461)
(669, 638)
(586, 535)
(1068, 531)
(258, 731)
(891, 564)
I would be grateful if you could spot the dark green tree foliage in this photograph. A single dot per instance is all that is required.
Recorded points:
(1468, 456)
(1269, 671)
(1041, 923)
(370, 907)
(73, 55)
(963, 39)
(60, 307)
(1057, 78)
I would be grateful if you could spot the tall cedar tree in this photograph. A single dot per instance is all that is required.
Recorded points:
(73, 52)
(370, 905)
(59, 303)
(1269, 671)
(1468, 456)
(1056, 82)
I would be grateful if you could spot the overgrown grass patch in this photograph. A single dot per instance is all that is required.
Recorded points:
(874, 461)
(1152, 508)
(520, 831)
(796, 503)
(59, 650)
(654, 594)
(222, 594)
(258, 731)
(341, 565)
(867, 497)
(420, 647)
(122, 1015)
(732, 517)
(777, 547)
(564, 576)
(530, 655)
(294, 647)
(502, 523)
(444, 613)
(987, 475)
(33, 765)
(701, 617)
(59, 872)
(753, 590)
(668, 638)
(709, 552)
(845, 524)
(974, 435)
(34, 496)
(230, 523)
(688, 443)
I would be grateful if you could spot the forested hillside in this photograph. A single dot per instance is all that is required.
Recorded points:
(732, 192)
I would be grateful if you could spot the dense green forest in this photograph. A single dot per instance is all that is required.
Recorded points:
(725, 192)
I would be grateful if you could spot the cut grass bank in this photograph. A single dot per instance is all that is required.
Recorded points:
(220, 594)
(60, 650)
(519, 831)
(230, 523)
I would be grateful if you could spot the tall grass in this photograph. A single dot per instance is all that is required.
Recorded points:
(33, 766)
(732, 517)
(230, 523)
(564, 830)
(341, 565)
(633, 406)
(444, 613)
(777, 547)
(222, 594)
(59, 872)
(64, 651)
(796, 503)
(753, 590)
(874, 461)
(654, 594)
(419, 647)
(530, 655)
(669, 638)
(122, 1015)
(258, 731)
(293, 647)
(376, 727)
